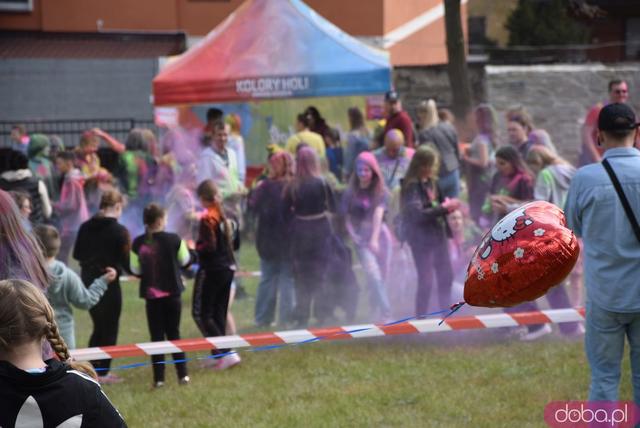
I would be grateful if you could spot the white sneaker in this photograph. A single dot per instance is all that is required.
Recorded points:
(537, 334)
(209, 363)
(109, 379)
(227, 362)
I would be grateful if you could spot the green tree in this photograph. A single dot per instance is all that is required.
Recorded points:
(544, 22)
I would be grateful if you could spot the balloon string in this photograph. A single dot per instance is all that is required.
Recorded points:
(454, 308)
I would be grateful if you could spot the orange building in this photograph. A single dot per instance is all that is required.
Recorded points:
(412, 30)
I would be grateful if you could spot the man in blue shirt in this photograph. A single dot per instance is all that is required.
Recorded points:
(611, 253)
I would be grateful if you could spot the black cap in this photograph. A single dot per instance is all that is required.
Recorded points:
(391, 96)
(617, 117)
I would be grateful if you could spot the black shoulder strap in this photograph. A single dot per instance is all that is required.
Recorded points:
(623, 198)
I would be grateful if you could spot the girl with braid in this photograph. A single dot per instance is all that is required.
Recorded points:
(32, 388)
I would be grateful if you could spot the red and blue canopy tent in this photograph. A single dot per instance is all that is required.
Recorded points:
(269, 49)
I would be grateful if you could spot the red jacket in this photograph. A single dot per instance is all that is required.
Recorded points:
(401, 121)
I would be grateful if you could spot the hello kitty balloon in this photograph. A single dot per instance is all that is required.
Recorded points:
(526, 253)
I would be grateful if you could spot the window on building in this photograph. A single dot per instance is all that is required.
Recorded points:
(16, 5)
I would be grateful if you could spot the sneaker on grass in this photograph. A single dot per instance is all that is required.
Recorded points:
(227, 362)
(109, 379)
(537, 334)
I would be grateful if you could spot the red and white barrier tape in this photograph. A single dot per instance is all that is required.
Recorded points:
(248, 274)
(431, 325)
(239, 274)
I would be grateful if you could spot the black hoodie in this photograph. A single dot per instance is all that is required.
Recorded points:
(102, 242)
(59, 397)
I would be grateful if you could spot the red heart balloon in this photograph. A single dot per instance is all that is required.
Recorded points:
(526, 253)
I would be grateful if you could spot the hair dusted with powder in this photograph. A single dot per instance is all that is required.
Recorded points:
(235, 122)
(20, 256)
(307, 163)
(87, 138)
(209, 193)
(377, 188)
(487, 122)
(281, 166)
(26, 316)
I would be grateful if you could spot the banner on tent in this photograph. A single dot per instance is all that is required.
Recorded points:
(270, 87)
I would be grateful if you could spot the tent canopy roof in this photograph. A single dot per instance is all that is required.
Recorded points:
(273, 49)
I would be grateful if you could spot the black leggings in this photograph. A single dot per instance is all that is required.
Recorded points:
(163, 318)
(309, 285)
(211, 301)
(432, 260)
(106, 318)
(309, 260)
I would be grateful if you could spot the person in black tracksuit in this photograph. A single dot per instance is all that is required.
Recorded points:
(217, 239)
(157, 257)
(103, 242)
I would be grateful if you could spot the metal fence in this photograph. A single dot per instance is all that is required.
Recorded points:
(71, 130)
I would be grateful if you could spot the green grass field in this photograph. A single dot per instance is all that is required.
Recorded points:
(462, 379)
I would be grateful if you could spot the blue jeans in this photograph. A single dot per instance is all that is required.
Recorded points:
(276, 278)
(371, 265)
(604, 345)
(450, 184)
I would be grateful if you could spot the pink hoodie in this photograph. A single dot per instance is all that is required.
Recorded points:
(72, 205)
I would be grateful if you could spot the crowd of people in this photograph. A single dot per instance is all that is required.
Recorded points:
(410, 199)
(110, 216)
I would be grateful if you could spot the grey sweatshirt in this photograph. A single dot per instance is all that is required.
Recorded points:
(552, 184)
(67, 289)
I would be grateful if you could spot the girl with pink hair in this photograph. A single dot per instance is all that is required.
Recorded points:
(308, 199)
(20, 256)
(364, 205)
